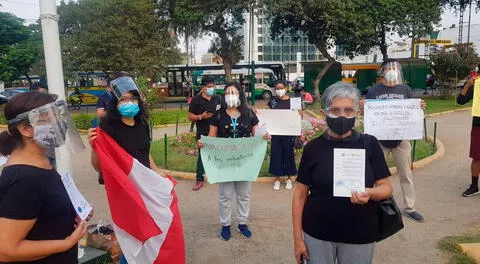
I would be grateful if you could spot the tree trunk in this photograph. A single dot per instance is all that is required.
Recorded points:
(323, 50)
(383, 43)
(227, 67)
(28, 79)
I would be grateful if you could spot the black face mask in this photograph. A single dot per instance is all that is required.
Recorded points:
(340, 125)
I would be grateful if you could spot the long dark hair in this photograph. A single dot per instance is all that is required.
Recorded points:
(243, 108)
(24, 102)
(113, 115)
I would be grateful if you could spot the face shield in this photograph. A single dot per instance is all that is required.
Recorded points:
(392, 73)
(122, 85)
(52, 126)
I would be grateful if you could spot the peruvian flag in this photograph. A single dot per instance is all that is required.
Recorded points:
(143, 205)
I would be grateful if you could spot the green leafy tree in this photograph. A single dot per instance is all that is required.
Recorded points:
(20, 48)
(115, 35)
(451, 65)
(326, 23)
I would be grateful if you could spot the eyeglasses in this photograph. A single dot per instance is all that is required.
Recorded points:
(347, 112)
(133, 99)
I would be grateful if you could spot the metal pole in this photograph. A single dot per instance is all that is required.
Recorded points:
(53, 63)
(176, 128)
(425, 128)
(166, 153)
(252, 83)
(469, 21)
(435, 137)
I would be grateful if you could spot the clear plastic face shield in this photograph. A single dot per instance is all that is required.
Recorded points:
(52, 126)
(392, 73)
(232, 97)
(122, 85)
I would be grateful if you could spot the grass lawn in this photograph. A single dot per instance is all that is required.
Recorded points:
(181, 162)
(434, 105)
(449, 245)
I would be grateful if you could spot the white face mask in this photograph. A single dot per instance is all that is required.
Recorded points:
(281, 92)
(391, 76)
(232, 100)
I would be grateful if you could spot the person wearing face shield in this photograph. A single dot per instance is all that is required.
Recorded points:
(38, 223)
(202, 107)
(390, 88)
(329, 229)
(126, 122)
(234, 120)
(282, 155)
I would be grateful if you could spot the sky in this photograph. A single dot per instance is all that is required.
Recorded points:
(30, 11)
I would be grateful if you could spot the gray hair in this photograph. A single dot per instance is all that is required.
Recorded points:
(340, 90)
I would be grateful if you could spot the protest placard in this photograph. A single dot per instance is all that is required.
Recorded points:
(233, 159)
(280, 122)
(79, 202)
(394, 119)
(476, 99)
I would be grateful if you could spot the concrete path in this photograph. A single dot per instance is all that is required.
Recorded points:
(439, 187)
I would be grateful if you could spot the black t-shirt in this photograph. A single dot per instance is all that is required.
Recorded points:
(277, 103)
(135, 140)
(380, 91)
(201, 104)
(27, 193)
(331, 218)
(225, 124)
(463, 99)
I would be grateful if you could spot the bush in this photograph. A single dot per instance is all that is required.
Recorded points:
(83, 121)
(185, 143)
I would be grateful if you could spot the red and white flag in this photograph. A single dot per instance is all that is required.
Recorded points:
(143, 205)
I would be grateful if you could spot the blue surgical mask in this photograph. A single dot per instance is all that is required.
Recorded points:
(129, 109)
(211, 91)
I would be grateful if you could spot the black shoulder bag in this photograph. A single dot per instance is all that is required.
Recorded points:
(389, 216)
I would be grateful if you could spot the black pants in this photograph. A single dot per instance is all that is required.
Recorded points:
(200, 169)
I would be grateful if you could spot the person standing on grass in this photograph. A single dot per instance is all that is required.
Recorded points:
(393, 88)
(466, 95)
(202, 107)
(282, 155)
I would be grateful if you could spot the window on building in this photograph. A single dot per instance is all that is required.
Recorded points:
(260, 40)
(260, 48)
(260, 21)
(259, 30)
(260, 57)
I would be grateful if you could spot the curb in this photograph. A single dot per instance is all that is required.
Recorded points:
(449, 112)
(189, 176)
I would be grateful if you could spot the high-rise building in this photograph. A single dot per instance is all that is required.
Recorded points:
(283, 49)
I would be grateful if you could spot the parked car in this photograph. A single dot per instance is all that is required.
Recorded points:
(9, 94)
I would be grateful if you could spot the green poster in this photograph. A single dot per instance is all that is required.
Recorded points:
(233, 159)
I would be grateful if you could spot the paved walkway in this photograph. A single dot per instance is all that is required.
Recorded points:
(438, 186)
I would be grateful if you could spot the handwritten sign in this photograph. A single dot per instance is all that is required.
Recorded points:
(394, 119)
(280, 122)
(476, 99)
(296, 103)
(348, 171)
(233, 159)
(79, 202)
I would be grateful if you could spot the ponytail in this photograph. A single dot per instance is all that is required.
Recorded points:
(7, 143)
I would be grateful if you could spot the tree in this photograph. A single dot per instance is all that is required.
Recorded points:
(450, 65)
(326, 23)
(20, 48)
(115, 35)
(406, 18)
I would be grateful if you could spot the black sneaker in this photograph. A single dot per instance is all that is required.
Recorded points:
(414, 216)
(471, 191)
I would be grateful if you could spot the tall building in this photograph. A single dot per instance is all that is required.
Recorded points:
(284, 49)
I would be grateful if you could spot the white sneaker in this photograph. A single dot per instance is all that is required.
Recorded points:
(288, 185)
(276, 185)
